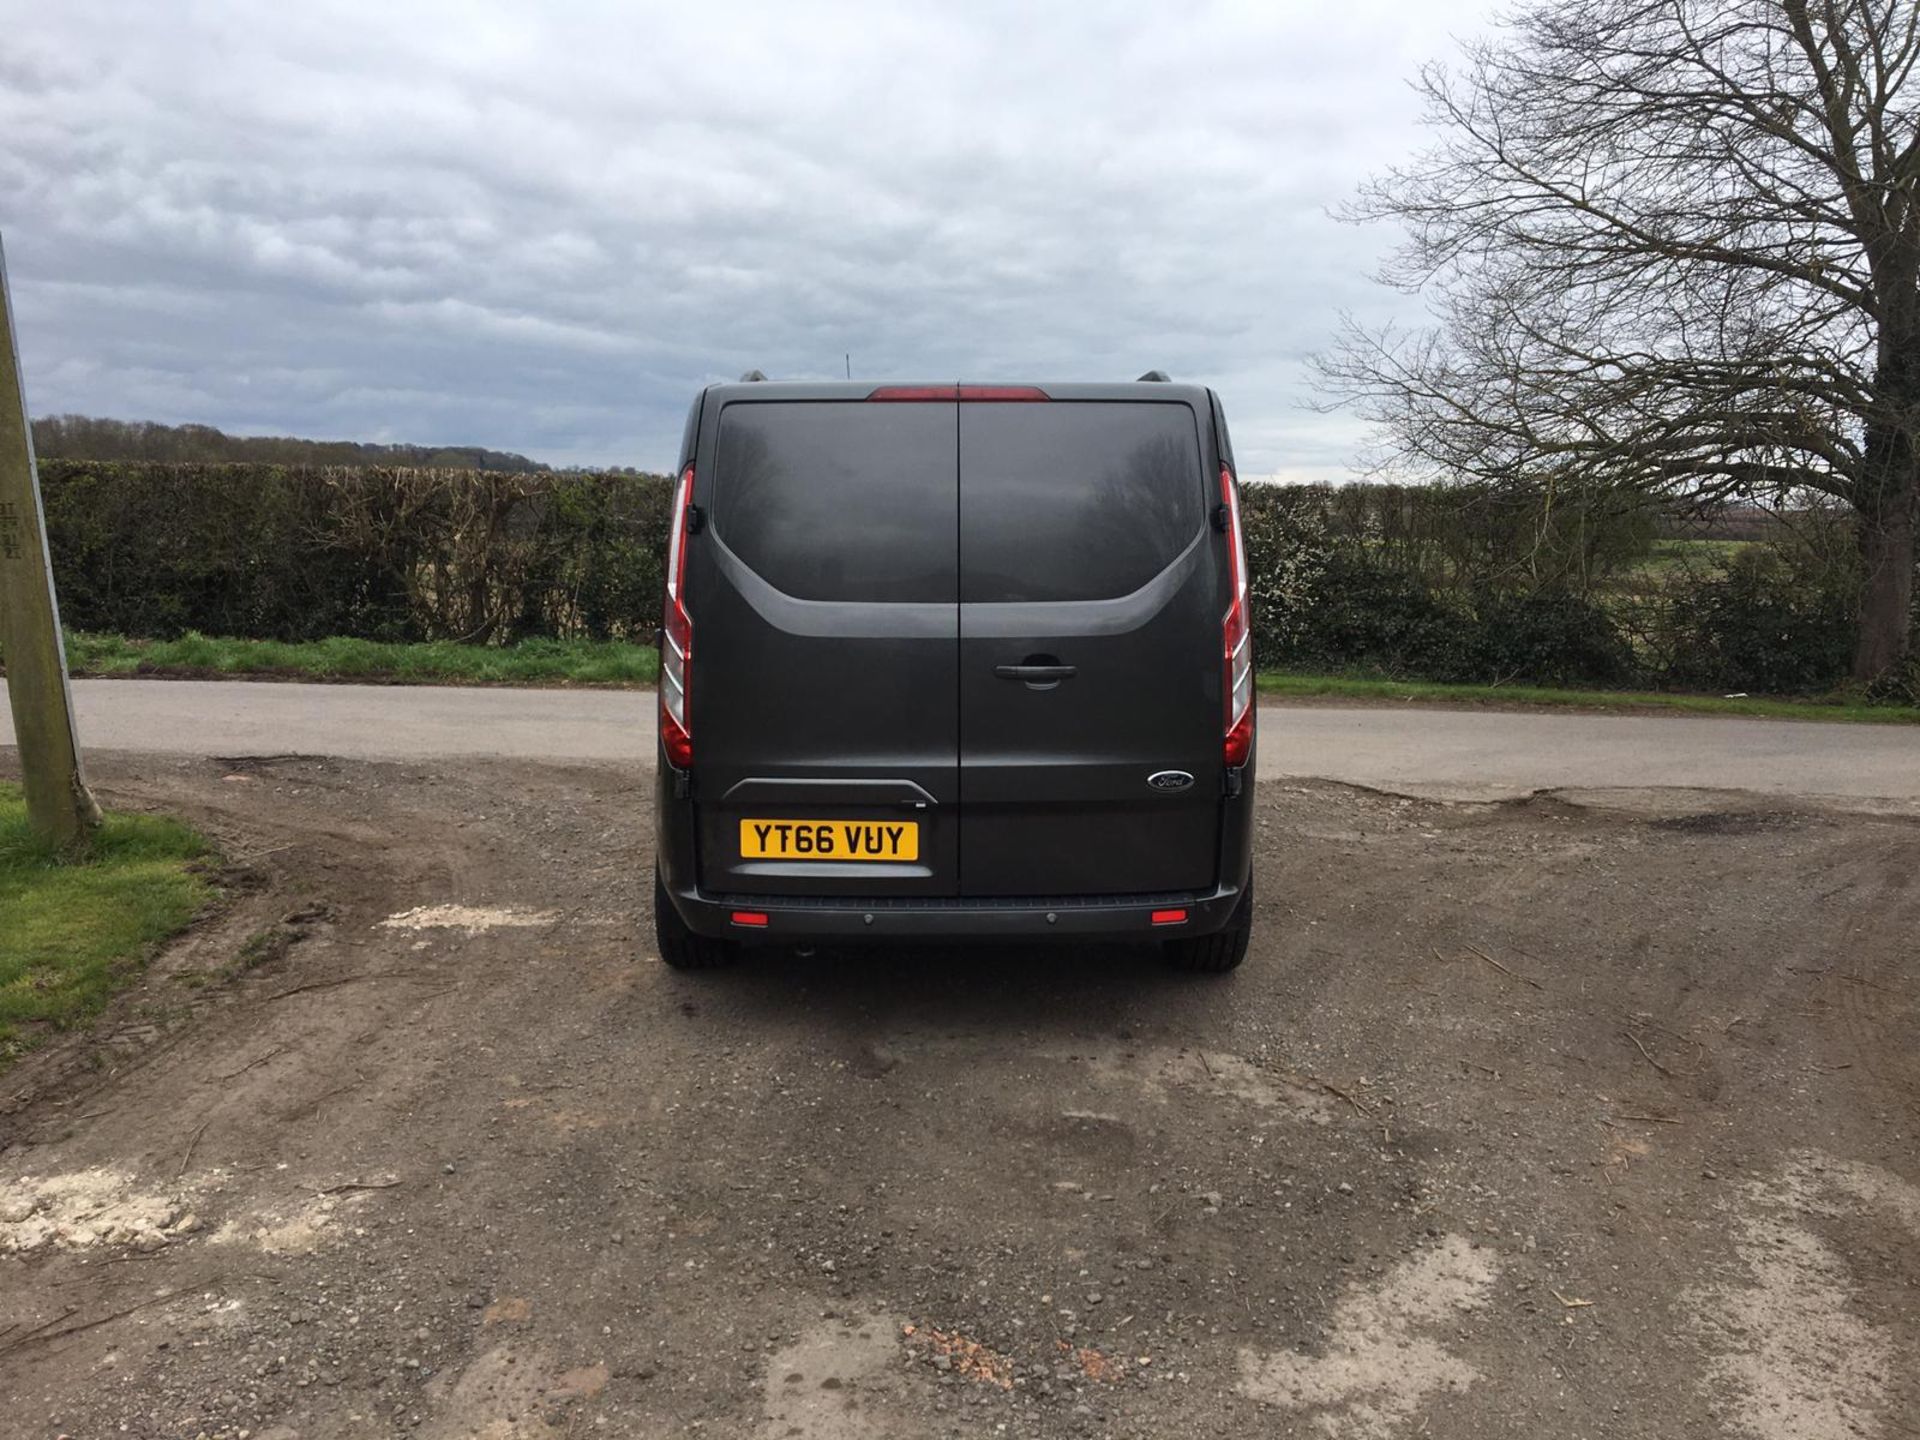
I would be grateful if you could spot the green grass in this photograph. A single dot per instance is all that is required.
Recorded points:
(615, 664)
(1671, 560)
(71, 933)
(1345, 687)
(531, 662)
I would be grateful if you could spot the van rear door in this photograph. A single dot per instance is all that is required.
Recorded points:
(1090, 611)
(824, 690)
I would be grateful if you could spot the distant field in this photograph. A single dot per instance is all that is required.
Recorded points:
(1672, 554)
(1701, 547)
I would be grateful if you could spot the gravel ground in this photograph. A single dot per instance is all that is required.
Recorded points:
(1525, 1118)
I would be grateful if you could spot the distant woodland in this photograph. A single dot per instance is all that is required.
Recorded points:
(85, 437)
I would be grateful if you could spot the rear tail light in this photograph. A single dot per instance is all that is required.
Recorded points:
(676, 630)
(1236, 636)
(752, 919)
(1169, 917)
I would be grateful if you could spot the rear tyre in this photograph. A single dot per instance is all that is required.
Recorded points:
(1221, 951)
(679, 946)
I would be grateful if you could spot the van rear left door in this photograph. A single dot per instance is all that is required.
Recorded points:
(824, 687)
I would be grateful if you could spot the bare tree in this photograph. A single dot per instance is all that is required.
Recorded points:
(1672, 245)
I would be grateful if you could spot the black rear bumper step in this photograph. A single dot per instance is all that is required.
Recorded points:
(790, 919)
(1169, 899)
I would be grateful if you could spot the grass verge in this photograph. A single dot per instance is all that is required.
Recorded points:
(611, 663)
(1281, 685)
(72, 933)
(531, 662)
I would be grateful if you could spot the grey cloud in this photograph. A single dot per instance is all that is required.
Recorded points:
(542, 228)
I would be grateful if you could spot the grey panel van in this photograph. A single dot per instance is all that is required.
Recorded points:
(955, 662)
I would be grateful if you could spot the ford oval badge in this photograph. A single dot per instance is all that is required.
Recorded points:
(1170, 780)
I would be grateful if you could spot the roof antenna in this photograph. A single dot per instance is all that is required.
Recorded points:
(1160, 376)
(752, 375)
(849, 359)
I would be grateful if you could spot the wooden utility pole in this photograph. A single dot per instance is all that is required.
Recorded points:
(60, 808)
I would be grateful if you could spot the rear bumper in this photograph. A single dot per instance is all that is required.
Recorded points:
(841, 920)
(819, 919)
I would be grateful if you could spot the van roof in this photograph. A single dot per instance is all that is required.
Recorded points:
(859, 389)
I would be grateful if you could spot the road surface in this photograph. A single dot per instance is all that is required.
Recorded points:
(1520, 1120)
(1442, 753)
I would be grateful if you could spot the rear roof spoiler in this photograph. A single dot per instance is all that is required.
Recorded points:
(779, 389)
(1158, 377)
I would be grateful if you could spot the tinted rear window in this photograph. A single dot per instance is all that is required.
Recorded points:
(840, 501)
(1074, 501)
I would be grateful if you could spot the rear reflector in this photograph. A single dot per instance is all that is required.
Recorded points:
(959, 392)
(755, 918)
(1169, 917)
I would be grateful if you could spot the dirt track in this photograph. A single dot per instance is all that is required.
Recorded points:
(1522, 1120)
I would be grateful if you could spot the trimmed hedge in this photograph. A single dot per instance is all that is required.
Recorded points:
(1465, 584)
(274, 552)
(1448, 583)
(1355, 578)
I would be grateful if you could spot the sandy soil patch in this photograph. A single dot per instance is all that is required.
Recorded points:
(468, 919)
(1383, 1361)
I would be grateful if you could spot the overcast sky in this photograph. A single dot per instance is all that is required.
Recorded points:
(543, 228)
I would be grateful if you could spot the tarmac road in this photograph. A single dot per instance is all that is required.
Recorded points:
(1466, 754)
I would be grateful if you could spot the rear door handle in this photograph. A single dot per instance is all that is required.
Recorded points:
(1036, 674)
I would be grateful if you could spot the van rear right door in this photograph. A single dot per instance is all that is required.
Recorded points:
(1091, 599)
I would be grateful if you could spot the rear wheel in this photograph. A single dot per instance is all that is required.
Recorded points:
(679, 946)
(1221, 951)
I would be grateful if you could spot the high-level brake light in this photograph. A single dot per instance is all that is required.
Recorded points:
(959, 392)
(1236, 636)
(676, 653)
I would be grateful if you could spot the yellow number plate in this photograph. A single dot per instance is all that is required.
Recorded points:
(829, 840)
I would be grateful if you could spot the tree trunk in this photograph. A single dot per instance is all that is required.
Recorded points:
(1886, 601)
(1889, 494)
